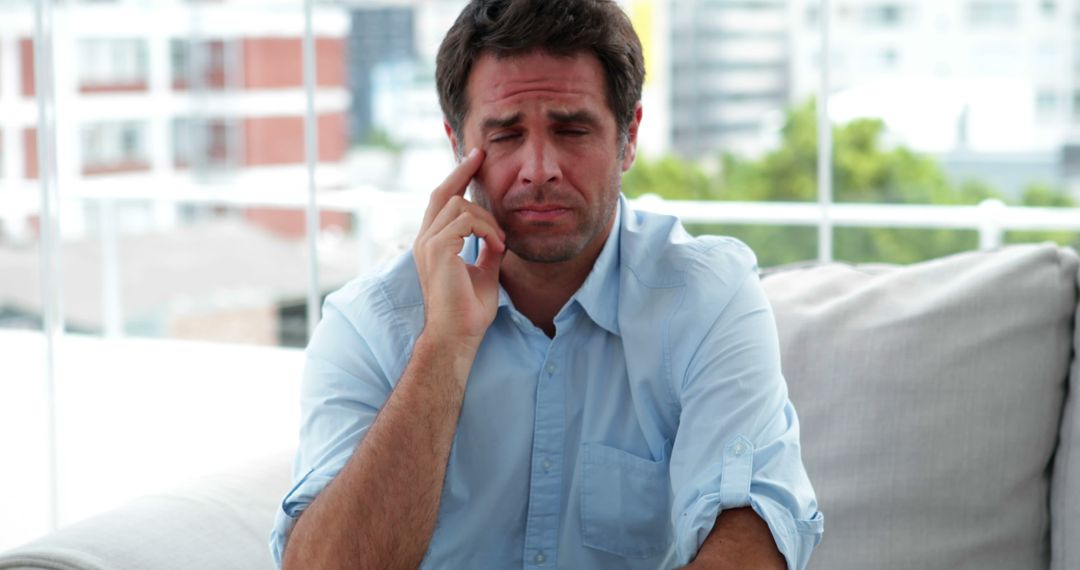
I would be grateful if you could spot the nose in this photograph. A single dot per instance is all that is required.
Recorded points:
(540, 164)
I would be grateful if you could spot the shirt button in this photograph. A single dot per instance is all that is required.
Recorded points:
(739, 449)
(547, 465)
(550, 368)
(540, 558)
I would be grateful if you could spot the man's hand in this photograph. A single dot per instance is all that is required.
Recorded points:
(380, 510)
(460, 300)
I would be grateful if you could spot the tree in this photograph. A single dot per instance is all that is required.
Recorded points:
(864, 171)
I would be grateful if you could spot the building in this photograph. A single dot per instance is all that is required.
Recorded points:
(163, 97)
(1002, 77)
(382, 43)
(729, 66)
(201, 281)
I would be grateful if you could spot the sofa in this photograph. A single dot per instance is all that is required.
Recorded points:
(938, 425)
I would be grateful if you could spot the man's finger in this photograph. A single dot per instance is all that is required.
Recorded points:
(491, 255)
(454, 185)
(454, 208)
(467, 224)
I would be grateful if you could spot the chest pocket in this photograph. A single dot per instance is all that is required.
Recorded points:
(625, 502)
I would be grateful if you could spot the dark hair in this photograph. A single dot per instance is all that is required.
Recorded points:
(506, 28)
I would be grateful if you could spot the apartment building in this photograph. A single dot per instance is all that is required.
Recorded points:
(729, 74)
(167, 96)
(991, 87)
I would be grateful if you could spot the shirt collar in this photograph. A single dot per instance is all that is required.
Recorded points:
(598, 296)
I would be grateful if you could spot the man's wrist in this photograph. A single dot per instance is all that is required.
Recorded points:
(451, 353)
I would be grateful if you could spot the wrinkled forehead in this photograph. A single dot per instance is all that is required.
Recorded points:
(501, 85)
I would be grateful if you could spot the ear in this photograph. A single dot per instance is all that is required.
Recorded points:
(630, 152)
(453, 139)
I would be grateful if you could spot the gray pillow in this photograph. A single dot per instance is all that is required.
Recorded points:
(930, 398)
(218, 522)
(1065, 487)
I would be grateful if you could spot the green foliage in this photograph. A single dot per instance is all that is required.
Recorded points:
(378, 138)
(864, 171)
(669, 177)
(1044, 196)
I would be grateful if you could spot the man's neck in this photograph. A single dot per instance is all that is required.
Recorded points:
(540, 290)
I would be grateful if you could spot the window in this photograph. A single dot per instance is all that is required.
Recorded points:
(1046, 103)
(114, 147)
(199, 64)
(223, 257)
(112, 64)
(992, 13)
(883, 15)
(889, 58)
(1048, 106)
(205, 143)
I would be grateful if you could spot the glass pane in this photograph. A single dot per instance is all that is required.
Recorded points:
(984, 109)
(22, 366)
(184, 155)
(938, 105)
(398, 151)
(180, 152)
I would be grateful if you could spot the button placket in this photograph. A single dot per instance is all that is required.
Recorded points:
(545, 487)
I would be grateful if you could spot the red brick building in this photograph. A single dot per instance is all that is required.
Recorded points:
(186, 94)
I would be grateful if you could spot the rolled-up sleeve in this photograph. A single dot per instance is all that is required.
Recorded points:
(738, 438)
(343, 388)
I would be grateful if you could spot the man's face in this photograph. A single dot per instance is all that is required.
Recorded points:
(553, 165)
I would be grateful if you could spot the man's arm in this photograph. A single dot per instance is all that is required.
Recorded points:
(380, 510)
(740, 540)
(737, 443)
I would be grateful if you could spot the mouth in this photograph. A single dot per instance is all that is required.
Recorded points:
(541, 213)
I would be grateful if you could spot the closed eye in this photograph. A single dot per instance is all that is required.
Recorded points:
(573, 132)
(504, 137)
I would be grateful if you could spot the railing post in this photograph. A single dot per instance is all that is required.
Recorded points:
(991, 234)
(311, 154)
(51, 275)
(111, 296)
(364, 216)
(824, 140)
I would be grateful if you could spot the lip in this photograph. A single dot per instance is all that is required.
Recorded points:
(541, 213)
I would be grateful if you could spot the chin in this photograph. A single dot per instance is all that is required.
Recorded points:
(545, 251)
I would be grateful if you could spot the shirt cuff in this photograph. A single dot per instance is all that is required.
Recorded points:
(795, 538)
(294, 503)
(727, 485)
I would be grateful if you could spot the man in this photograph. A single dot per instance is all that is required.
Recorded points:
(548, 379)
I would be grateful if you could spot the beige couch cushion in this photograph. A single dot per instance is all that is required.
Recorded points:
(218, 522)
(1065, 488)
(930, 399)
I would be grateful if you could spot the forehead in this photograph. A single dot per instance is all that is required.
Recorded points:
(502, 85)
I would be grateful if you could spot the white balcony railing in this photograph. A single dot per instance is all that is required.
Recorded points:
(379, 214)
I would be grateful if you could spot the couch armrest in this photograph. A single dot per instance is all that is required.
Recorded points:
(218, 521)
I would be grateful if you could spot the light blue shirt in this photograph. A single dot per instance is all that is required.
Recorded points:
(615, 444)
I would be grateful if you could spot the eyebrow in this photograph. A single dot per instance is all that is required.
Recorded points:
(581, 117)
(495, 123)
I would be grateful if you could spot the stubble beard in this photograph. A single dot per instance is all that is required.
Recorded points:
(533, 246)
